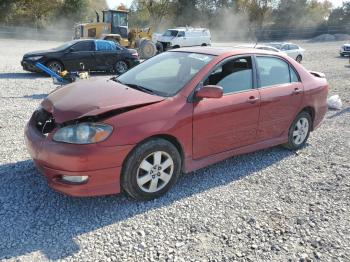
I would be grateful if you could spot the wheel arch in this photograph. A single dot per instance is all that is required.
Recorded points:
(170, 138)
(311, 111)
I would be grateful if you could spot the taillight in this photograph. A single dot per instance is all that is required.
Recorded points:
(136, 55)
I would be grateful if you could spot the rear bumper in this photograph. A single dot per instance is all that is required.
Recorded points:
(101, 164)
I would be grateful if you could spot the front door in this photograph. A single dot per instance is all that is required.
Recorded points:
(80, 53)
(281, 96)
(229, 122)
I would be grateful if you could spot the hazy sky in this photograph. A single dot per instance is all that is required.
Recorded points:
(336, 3)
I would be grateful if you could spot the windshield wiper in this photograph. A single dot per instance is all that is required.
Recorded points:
(141, 88)
(134, 86)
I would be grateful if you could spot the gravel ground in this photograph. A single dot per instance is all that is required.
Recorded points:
(272, 205)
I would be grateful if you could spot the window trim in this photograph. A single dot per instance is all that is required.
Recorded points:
(290, 67)
(227, 59)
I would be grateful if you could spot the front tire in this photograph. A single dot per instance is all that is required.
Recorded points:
(299, 131)
(151, 169)
(299, 59)
(55, 66)
(160, 48)
(148, 49)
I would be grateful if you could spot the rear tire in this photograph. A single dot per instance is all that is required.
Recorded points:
(299, 131)
(151, 170)
(121, 67)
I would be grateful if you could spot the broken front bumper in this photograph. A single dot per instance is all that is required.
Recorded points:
(101, 164)
(29, 66)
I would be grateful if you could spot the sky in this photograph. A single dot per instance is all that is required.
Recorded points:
(112, 4)
(336, 3)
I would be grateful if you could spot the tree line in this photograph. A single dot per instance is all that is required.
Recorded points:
(223, 15)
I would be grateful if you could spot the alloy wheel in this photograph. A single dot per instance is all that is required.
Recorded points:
(121, 67)
(56, 67)
(155, 172)
(301, 131)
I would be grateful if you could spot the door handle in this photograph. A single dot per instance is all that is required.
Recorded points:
(297, 91)
(253, 99)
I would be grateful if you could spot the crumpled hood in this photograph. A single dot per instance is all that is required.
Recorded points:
(93, 97)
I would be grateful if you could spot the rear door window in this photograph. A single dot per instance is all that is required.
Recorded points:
(293, 47)
(105, 45)
(272, 71)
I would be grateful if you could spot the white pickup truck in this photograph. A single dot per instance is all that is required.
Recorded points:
(183, 37)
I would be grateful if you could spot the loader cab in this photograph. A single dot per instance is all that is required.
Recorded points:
(118, 19)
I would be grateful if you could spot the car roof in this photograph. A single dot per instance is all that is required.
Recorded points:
(218, 51)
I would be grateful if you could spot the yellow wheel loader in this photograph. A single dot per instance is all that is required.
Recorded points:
(114, 27)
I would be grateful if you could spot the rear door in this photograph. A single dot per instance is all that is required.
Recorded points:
(281, 94)
(231, 121)
(106, 55)
(79, 54)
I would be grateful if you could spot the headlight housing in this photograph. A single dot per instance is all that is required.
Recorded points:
(83, 133)
(35, 58)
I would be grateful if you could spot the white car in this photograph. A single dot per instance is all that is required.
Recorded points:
(184, 37)
(263, 47)
(292, 50)
(345, 50)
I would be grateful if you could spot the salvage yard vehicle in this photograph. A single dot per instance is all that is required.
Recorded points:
(184, 37)
(292, 50)
(96, 55)
(115, 27)
(345, 50)
(262, 47)
(176, 112)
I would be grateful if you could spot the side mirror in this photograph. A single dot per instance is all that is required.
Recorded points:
(71, 50)
(210, 91)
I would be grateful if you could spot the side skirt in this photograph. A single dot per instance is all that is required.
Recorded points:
(195, 164)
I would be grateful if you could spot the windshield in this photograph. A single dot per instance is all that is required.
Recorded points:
(65, 46)
(166, 74)
(171, 33)
(120, 19)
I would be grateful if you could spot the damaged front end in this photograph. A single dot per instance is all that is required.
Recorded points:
(45, 123)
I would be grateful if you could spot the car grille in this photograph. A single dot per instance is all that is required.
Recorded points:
(44, 121)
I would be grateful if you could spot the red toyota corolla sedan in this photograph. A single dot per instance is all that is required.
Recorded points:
(177, 112)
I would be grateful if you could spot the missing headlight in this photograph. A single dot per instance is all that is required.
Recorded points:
(44, 121)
